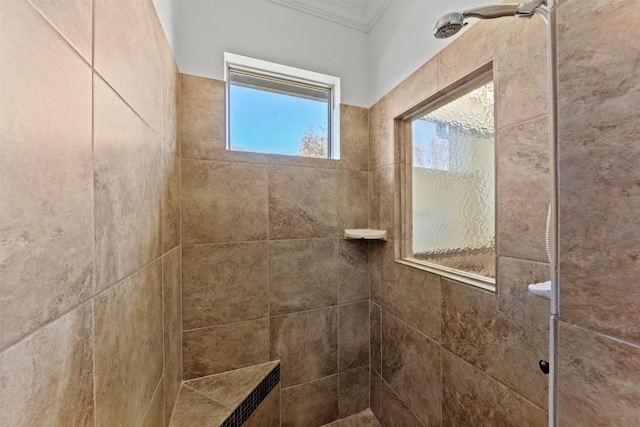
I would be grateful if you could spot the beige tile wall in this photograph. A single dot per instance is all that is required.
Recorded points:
(599, 197)
(266, 273)
(90, 325)
(444, 353)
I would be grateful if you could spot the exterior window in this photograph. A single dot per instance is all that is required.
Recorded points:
(276, 109)
(449, 185)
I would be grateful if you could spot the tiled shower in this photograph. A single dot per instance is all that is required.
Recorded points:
(142, 263)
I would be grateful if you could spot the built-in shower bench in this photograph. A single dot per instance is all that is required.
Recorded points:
(248, 397)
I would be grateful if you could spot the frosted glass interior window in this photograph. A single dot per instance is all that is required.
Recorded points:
(453, 184)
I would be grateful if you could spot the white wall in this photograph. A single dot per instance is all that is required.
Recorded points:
(200, 31)
(204, 30)
(402, 40)
(164, 8)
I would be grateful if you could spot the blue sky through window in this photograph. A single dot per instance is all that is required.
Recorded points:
(268, 122)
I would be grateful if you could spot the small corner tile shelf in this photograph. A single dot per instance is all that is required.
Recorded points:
(365, 233)
(541, 289)
(229, 399)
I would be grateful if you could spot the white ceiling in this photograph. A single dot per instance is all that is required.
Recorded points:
(361, 15)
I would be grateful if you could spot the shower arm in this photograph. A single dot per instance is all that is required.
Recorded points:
(526, 10)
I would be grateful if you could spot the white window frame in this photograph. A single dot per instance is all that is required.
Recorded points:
(295, 75)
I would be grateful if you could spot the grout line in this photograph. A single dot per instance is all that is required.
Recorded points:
(121, 97)
(521, 122)
(91, 298)
(276, 315)
(93, 212)
(260, 241)
(494, 379)
(433, 340)
(597, 331)
(543, 263)
(163, 307)
(93, 360)
(155, 391)
(275, 362)
(384, 382)
(58, 33)
(208, 397)
(267, 162)
(313, 380)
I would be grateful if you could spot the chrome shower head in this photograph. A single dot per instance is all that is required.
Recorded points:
(453, 22)
(449, 25)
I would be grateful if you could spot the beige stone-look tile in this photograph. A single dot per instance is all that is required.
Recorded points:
(128, 341)
(171, 310)
(369, 419)
(224, 155)
(232, 387)
(375, 336)
(194, 409)
(375, 269)
(351, 421)
(382, 150)
(503, 336)
(375, 394)
(354, 138)
(353, 271)
(127, 189)
(354, 391)
(374, 136)
(154, 417)
(73, 19)
(598, 90)
(303, 202)
(170, 94)
(598, 379)
(224, 283)
(521, 90)
(302, 274)
(222, 348)
(353, 335)
(126, 54)
(312, 404)
(302, 161)
(471, 50)
(172, 383)
(47, 378)
(202, 116)
(223, 202)
(522, 83)
(472, 398)
(46, 214)
(267, 414)
(523, 190)
(414, 295)
(413, 90)
(394, 412)
(383, 186)
(306, 344)
(170, 173)
(411, 366)
(353, 199)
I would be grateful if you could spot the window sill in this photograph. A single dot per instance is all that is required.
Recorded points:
(474, 280)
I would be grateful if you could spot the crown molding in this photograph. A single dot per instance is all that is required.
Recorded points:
(359, 15)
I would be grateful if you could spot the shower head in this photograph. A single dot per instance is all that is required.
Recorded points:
(449, 25)
(453, 22)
